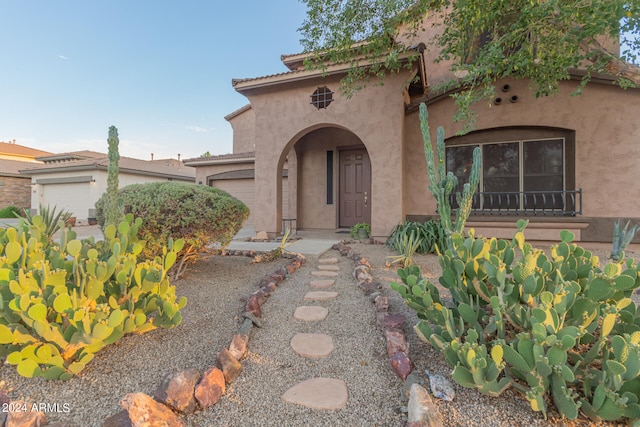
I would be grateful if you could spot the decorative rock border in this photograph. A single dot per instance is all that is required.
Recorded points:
(183, 392)
(421, 409)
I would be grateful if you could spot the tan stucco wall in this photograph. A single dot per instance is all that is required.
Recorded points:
(607, 133)
(243, 131)
(375, 116)
(311, 150)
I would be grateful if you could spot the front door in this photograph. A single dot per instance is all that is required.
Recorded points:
(355, 187)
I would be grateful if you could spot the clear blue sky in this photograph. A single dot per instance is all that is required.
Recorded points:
(158, 70)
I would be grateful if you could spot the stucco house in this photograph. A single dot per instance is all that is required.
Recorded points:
(15, 188)
(75, 181)
(302, 150)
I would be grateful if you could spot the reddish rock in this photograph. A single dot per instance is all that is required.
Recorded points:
(369, 287)
(18, 417)
(210, 388)
(278, 278)
(121, 419)
(392, 321)
(238, 346)
(176, 391)
(146, 412)
(396, 342)
(382, 303)
(230, 366)
(261, 294)
(401, 365)
(290, 268)
(364, 261)
(282, 272)
(270, 287)
(253, 306)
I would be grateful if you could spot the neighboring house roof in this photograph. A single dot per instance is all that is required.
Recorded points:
(12, 168)
(17, 150)
(169, 168)
(239, 174)
(70, 156)
(247, 157)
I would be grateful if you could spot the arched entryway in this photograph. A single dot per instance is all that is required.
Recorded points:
(331, 185)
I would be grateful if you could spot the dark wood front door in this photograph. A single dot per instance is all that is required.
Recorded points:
(355, 187)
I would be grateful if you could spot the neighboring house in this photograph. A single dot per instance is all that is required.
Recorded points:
(75, 181)
(567, 162)
(15, 189)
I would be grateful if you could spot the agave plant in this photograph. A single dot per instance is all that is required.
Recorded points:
(51, 217)
(406, 247)
(621, 239)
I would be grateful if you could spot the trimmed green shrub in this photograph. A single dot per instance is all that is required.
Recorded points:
(10, 212)
(198, 214)
(558, 328)
(60, 303)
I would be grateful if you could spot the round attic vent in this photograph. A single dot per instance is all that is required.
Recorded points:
(322, 97)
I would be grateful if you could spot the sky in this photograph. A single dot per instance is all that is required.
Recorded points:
(158, 70)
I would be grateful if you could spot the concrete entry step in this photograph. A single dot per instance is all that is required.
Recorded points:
(322, 284)
(312, 346)
(307, 313)
(319, 393)
(320, 295)
(328, 268)
(328, 261)
(324, 273)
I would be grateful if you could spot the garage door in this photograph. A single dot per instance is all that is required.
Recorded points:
(73, 197)
(243, 190)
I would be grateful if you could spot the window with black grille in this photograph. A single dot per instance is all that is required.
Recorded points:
(322, 97)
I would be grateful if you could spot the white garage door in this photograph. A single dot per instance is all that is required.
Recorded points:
(241, 189)
(73, 197)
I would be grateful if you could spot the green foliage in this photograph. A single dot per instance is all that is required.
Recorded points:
(198, 214)
(113, 210)
(483, 40)
(621, 239)
(429, 235)
(49, 220)
(407, 245)
(60, 303)
(558, 327)
(10, 212)
(360, 226)
(442, 184)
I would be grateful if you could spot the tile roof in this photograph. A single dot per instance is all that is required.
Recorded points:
(11, 148)
(13, 167)
(168, 167)
(222, 158)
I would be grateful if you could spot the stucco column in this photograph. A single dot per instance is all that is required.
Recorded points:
(268, 180)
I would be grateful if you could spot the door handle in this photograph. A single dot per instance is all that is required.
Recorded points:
(365, 198)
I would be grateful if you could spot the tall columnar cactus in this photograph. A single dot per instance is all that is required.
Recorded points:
(114, 212)
(442, 184)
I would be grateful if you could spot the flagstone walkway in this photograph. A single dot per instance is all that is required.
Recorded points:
(317, 393)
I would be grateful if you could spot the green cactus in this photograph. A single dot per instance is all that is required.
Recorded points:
(60, 303)
(557, 327)
(442, 184)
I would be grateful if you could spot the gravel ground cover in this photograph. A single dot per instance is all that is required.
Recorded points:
(216, 289)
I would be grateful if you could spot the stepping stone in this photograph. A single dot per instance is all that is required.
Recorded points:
(328, 268)
(322, 284)
(328, 261)
(312, 346)
(318, 393)
(310, 313)
(320, 295)
(324, 273)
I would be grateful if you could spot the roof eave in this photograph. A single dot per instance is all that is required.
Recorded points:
(211, 162)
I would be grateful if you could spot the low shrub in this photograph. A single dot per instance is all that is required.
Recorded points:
(559, 328)
(427, 234)
(198, 214)
(10, 212)
(62, 302)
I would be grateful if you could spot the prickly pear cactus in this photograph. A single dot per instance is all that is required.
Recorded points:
(555, 326)
(60, 303)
